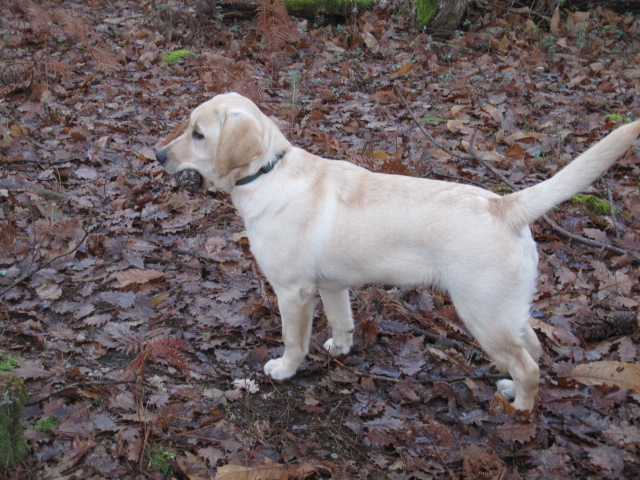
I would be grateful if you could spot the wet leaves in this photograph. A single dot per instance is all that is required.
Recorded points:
(132, 306)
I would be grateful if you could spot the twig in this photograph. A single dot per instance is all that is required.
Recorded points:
(71, 386)
(434, 337)
(44, 265)
(587, 241)
(182, 251)
(41, 191)
(613, 210)
(474, 156)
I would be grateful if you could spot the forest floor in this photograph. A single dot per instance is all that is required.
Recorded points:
(140, 322)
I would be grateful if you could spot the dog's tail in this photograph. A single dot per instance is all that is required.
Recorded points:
(523, 207)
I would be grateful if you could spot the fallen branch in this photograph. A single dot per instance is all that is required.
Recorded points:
(52, 195)
(44, 265)
(71, 386)
(477, 158)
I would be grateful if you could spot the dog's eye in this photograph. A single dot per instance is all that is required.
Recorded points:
(196, 135)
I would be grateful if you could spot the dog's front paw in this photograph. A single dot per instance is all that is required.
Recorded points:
(280, 368)
(335, 348)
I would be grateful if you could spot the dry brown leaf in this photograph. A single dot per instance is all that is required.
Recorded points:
(406, 68)
(135, 275)
(494, 113)
(49, 291)
(554, 24)
(261, 472)
(620, 374)
(517, 432)
(192, 467)
(596, 234)
(456, 110)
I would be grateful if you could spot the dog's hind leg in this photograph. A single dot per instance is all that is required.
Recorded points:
(531, 342)
(508, 352)
(337, 307)
(500, 324)
(296, 310)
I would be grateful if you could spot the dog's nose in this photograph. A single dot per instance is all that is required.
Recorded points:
(161, 156)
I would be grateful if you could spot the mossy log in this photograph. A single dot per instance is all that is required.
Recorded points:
(13, 446)
(441, 17)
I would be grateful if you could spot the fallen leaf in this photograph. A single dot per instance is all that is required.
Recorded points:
(246, 384)
(405, 68)
(517, 432)
(135, 275)
(259, 472)
(620, 374)
(192, 467)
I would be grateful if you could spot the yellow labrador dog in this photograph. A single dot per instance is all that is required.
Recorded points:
(318, 225)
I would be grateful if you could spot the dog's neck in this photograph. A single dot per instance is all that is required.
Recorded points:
(265, 169)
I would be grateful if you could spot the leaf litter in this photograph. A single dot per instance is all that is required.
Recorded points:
(141, 323)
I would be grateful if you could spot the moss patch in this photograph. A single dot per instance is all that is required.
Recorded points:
(159, 458)
(425, 11)
(595, 205)
(45, 424)
(13, 446)
(7, 363)
(177, 55)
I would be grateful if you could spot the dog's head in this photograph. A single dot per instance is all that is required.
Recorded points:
(228, 138)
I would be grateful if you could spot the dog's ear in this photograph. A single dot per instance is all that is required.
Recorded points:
(239, 142)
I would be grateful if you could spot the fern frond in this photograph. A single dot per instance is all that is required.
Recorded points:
(8, 237)
(166, 351)
(273, 22)
(105, 59)
(169, 351)
(74, 26)
(56, 66)
(39, 18)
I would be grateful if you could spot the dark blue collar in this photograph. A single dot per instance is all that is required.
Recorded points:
(266, 169)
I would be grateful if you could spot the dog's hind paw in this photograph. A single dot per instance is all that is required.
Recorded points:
(336, 349)
(507, 388)
(280, 369)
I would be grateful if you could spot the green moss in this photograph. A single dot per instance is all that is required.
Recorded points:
(13, 446)
(159, 458)
(432, 120)
(7, 363)
(595, 205)
(177, 55)
(425, 11)
(614, 117)
(45, 424)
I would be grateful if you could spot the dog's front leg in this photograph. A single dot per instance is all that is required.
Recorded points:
(296, 310)
(337, 307)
